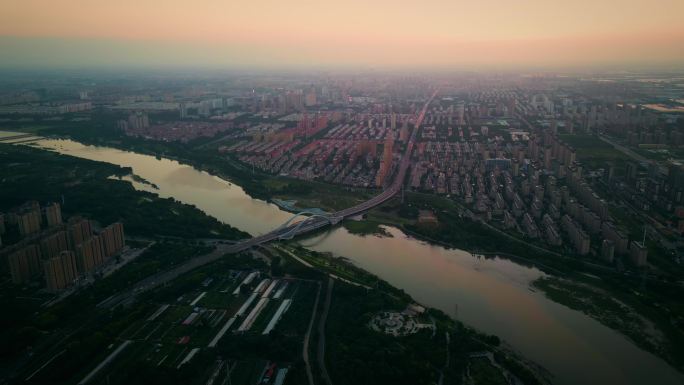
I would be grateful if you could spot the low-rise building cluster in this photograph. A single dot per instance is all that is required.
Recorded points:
(533, 185)
(352, 154)
(138, 125)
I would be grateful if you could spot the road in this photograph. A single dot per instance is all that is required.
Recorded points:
(307, 337)
(305, 226)
(321, 333)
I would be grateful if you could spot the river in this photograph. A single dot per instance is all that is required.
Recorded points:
(493, 295)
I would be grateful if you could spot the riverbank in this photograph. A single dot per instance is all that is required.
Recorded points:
(99, 191)
(348, 331)
(638, 308)
(256, 183)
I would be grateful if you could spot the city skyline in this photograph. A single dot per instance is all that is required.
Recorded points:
(388, 35)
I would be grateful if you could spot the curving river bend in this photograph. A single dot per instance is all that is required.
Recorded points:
(492, 295)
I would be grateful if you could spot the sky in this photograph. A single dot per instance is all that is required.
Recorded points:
(438, 34)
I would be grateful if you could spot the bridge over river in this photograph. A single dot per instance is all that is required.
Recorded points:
(287, 231)
(318, 221)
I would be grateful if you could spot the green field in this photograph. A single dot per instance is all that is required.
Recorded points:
(593, 151)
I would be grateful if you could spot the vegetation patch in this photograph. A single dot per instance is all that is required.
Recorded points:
(606, 309)
(366, 228)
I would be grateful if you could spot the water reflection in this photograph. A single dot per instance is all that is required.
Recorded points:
(226, 201)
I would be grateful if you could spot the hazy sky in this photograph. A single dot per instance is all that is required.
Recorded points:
(342, 33)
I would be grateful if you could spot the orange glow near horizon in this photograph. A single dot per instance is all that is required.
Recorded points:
(383, 33)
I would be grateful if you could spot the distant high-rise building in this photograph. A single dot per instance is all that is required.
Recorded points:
(310, 98)
(60, 271)
(404, 134)
(619, 239)
(24, 264)
(53, 214)
(29, 218)
(320, 122)
(515, 168)
(638, 253)
(138, 120)
(386, 161)
(578, 237)
(547, 158)
(54, 244)
(608, 250)
(460, 113)
(204, 108)
(113, 239)
(510, 106)
(90, 254)
(388, 150)
(79, 230)
(294, 100)
(183, 111)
